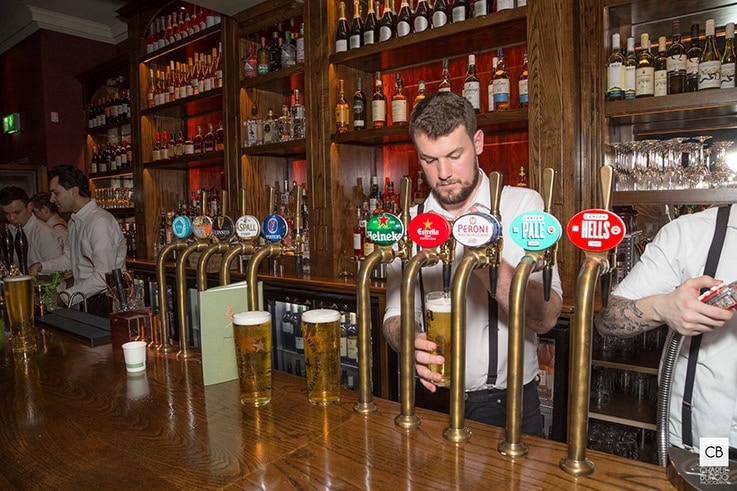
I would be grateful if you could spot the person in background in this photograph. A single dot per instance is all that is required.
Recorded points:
(95, 245)
(47, 211)
(448, 143)
(43, 242)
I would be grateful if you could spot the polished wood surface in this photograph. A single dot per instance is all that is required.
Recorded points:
(71, 418)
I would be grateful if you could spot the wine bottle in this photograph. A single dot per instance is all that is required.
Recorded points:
(298, 117)
(197, 141)
(274, 52)
(472, 85)
(371, 26)
(692, 60)
(615, 71)
(660, 75)
(341, 110)
(630, 66)
(504, 4)
(459, 12)
(676, 62)
(358, 238)
(439, 13)
(445, 85)
(490, 84)
(262, 55)
(728, 58)
(342, 32)
(388, 25)
(356, 38)
(710, 63)
(399, 103)
(378, 103)
(359, 106)
(481, 7)
(645, 71)
(522, 83)
(423, 16)
(405, 23)
(501, 84)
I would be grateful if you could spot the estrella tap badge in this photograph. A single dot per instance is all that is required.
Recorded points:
(274, 228)
(429, 229)
(223, 227)
(476, 229)
(596, 230)
(181, 226)
(202, 226)
(535, 230)
(247, 227)
(384, 229)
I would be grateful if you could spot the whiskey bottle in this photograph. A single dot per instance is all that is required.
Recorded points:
(358, 236)
(630, 66)
(298, 117)
(197, 143)
(274, 52)
(341, 33)
(439, 13)
(341, 110)
(399, 103)
(615, 71)
(728, 58)
(645, 71)
(500, 82)
(710, 63)
(692, 60)
(676, 62)
(423, 16)
(472, 85)
(378, 103)
(405, 24)
(371, 27)
(156, 151)
(356, 37)
(459, 11)
(219, 137)
(445, 85)
(420, 92)
(522, 83)
(660, 75)
(388, 25)
(359, 106)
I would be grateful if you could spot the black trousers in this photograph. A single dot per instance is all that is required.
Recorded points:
(490, 407)
(100, 305)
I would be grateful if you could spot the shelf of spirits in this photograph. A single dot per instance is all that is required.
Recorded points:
(292, 148)
(193, 161)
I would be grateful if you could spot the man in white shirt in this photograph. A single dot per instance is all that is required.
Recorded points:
(95, 245)
(47, 211)
(443, 128)
(43, 243)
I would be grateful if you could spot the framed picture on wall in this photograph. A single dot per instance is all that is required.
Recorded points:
(31, 178)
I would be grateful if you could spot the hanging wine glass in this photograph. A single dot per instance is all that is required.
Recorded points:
(721, 174)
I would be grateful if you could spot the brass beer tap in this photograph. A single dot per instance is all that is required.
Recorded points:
(535, 259)
(177, 245)
(247, 229)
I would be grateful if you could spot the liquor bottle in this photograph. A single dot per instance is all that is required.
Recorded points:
(358, 236)
(482, 7)
(615, 71)
(300, 44)
(504, 4)
(156, 151)
(692, 60)
(262, 55)
(445, 85)
(287, 328)
(423, 16)
(250, 63)
(645, 71)
(490, 84)
(197, 141)
(93, 162)
(356, 38)
(630, 66)
(171, 145)
(378, 103)
(501, 84)
(298, 117)
(344, 337)
(274, 52)
(522, 83)
(660, 76)
(359, 106)
(299, 341)
(388, 25)
(472, 85)
(459, 11)
(420, 92)
(288, 51)
(390, 200)
(164, 150)
(374, 196)
(208, 141)
(405, 23)
(219, 137)
(352, 340)
(420, 189)
(286, 130)
(728, 58)
(710, 63)
(399, 103)
(341, 110)
(439, 13)
(368, 246)
(151, 38)
(676, 62)
(371, 27)
(342, 31)
(128, 152)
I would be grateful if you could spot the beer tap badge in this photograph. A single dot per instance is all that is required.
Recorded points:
(429, 229)
(274, 228)
(477, 229)
(223, 227)
(535, 230)
(202, 226)
(181, 226)
(384, 229)
(247, 227)
(596, 230)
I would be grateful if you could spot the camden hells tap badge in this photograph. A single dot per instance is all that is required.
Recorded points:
(384, 229)
(596, 230)
(429, 229)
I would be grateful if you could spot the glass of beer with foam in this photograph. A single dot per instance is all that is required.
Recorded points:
(321, 333)
(437, 324)
(252, 334)
(19, 305)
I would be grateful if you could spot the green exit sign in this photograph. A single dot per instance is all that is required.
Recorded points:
(11, 123)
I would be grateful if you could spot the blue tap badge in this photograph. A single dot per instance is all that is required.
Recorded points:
(535, 230)
(274, 228)
(181, 226)
(476, 229)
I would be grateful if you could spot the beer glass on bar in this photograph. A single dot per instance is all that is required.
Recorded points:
(321, 333)
(20, 306)
(437, 322)
(252, 334)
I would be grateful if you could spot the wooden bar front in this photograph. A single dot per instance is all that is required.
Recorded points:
(71, 417)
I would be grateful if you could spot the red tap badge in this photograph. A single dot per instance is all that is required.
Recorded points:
(596, 230)
(429, 230)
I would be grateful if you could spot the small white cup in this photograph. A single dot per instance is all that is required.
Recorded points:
(135, 356)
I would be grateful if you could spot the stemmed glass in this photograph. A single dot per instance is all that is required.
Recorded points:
(622, 170)
(673, 168)
(721, 174)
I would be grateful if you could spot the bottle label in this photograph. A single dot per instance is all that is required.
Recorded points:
(403, 28)
(286, 327)
(644, 84)
(341, 45)
(629, 82)
(378, 111)
(352, 349)
(472, 92)
(355, 41)
(357, 246)
(399, 111)
(523, 96)
(385, 33)
(479, 8)
(300, 50)
(359, 112)
(504, 4)
(421, 24)
(661, 83)
(459, 13)
(692, 66)
(299, 343)
(676, 63)
(727, 75)
(368, 37)
(343, 347)
(439, 19)
(501, 91)
(341, 116)
(709, 75)
(616, 75)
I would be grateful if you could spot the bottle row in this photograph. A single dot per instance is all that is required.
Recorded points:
(186, 20)
(128, 228)
(289, 126)
(383, 25)
(166, 146)
(112, 157)
(113, 108)
(179, 80)
(287, 49)
(114, 197)
(676, 69)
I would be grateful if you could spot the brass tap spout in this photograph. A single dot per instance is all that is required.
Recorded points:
(181, 291)
(271, 250)
(166, 346)
(233, 251)
(217, 247)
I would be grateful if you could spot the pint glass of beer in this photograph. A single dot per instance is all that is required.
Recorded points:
(321, 333)
(437, 323)
(252, 333)
(19, 304)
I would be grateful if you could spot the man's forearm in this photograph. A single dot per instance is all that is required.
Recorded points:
(624, 318)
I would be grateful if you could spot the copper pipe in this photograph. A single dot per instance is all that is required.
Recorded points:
(166, 346)
(181, 292)
(270, 250)
(233, 252)
(214, 248)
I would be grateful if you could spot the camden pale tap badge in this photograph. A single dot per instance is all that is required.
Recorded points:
(596, 230)
(274, 228)
(429, 229)
(247, 227)
(202, 226)
(476, 229)
(384, 229)
(223, 227)
(181, 226)
(535, 230)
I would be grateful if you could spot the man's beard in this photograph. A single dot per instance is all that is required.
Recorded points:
(462, 195)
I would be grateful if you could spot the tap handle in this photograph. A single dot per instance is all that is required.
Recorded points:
(297, 210)
(21, 248)
(205, 210)
(606, 285)
(405, 199)
(243, 201)
(270, 199)
(548, 180)
(224, 205)
(493, 274)
(495, 192)
(547, 282)
(606, 176)
(122, 297)
(446, 276)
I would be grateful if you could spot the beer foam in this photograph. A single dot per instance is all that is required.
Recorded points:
(439, 305)
(320, 315)
(8, 279)
(251, 318)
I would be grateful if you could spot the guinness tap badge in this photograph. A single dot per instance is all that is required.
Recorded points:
(223, 228)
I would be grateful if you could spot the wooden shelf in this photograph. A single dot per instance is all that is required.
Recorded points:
(475, 35)
(282, 81)
(192, 42)
(293, 148)
(267, 14)
(644, 362)
(112, 173)
(121, 212)
(625, 409)
(185, 162)
(205, 102)
(717, 196)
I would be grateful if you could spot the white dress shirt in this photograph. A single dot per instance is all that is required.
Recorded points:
(43, 243)
(59, 226)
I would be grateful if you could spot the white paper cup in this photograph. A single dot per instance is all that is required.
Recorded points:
(135, 356)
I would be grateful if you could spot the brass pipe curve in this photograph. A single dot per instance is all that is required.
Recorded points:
(216, 248)
(166, 346)
(181, 292)
(270, 250)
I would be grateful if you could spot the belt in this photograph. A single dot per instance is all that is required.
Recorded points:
(476, 394)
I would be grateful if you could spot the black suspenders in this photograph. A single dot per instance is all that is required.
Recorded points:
(712, 260)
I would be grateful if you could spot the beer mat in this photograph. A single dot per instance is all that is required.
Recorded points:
(87, 327)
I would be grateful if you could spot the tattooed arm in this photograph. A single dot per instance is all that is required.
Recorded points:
(681, 310)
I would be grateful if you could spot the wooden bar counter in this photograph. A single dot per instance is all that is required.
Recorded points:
(71, 418)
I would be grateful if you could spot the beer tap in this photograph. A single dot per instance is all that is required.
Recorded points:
(481, 234)
(393, 229)
(21, 248)
(536, 233)
(247, 228)
(596, 231)
(7, 246)
(181, 231)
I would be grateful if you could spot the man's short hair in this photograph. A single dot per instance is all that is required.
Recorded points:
(8, 194)
(70, 176)
(40, 200)
(440, 113)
